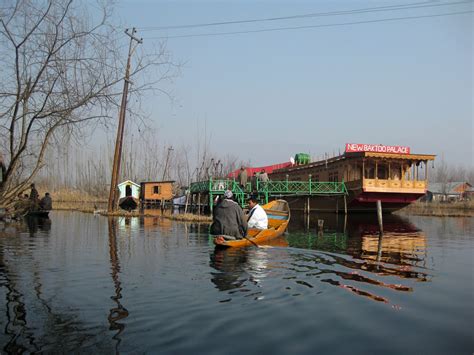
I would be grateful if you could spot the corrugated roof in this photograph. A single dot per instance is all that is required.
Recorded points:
(445, 188)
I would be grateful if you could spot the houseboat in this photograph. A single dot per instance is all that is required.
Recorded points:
(371, 172)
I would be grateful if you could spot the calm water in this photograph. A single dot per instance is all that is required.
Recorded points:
(83, 283)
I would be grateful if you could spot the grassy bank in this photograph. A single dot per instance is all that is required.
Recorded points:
(438, 209)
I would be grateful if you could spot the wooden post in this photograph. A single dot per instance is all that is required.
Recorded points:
(186, 203)
(199, 204)
(379, 216)
(320, 226)
(112, 203)
(308, 214)
(379, 248)
(345, 205)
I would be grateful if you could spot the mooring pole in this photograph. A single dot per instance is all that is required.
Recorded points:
(345, 205)
(121, 125)
(379, 216)
(308, 214)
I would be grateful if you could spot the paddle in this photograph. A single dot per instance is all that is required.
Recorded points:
(252, 242)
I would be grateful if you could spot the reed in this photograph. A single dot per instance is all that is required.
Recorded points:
(440, 209)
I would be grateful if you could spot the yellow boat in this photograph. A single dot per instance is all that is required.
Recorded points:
(278, 213)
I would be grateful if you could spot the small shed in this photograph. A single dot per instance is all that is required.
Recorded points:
(128, 188)
(156, 191)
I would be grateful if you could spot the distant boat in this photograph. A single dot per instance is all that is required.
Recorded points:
(128, 203)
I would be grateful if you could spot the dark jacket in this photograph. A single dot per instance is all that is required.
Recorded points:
(229, 219)
(46, 203)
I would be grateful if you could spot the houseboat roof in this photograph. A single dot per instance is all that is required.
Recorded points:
(392, 155)
(345, 156)
(157, 182)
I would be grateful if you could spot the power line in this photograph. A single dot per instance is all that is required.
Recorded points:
(311, 26)
(417, 5)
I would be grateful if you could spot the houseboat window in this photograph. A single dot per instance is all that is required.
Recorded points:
(369, 170)
(395, 171)
(156, 189)
(382, 171)
(128, 190)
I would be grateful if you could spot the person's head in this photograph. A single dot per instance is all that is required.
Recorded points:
(242, 168)
(254, 173)
(46, 194)
(32, 185)
(263, 170)
(228, 194)
(252, 201)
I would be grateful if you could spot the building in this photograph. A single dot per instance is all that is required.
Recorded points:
(449, 191)
(156, 192)
(128, 188)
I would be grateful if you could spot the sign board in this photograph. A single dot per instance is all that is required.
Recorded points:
(376, 148)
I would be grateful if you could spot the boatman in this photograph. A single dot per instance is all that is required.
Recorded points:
(46, 204)
(228, 219)
(257, 217)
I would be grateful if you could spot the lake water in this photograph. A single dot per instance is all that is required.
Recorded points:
(86, 283)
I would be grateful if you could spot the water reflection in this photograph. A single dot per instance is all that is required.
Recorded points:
(35, 223)
(347, 254)
(118, 313)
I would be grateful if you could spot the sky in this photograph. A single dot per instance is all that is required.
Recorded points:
(264, 96)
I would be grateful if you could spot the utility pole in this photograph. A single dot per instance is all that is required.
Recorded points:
(166, 163)
(121, 125)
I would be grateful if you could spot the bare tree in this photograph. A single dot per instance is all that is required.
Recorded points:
(60, 67)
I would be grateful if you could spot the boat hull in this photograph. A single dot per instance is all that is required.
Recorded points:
(40, 214)
(128, 203)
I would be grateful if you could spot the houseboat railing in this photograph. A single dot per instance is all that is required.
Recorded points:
(215, 187)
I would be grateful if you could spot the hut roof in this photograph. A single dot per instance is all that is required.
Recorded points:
(127, 182)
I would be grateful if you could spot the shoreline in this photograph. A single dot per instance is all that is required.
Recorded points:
(181, 217)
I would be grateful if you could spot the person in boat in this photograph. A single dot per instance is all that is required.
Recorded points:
(34, 198)
(46, 204)
(242, 178)
(34, 195)
(257, 217)
(228, 218)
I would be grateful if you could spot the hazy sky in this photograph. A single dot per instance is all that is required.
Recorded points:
(265, 96)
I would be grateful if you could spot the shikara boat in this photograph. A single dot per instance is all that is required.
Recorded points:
(278, 214)
(39, 213)
(128, 203)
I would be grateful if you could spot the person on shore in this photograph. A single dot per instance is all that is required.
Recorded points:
(228, 219)
(257, 217)
(46, 204)
(242, 178)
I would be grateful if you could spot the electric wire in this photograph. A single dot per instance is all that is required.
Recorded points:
(426, 4)
(390, 19)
